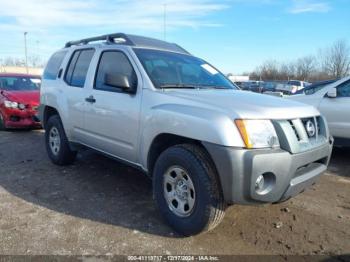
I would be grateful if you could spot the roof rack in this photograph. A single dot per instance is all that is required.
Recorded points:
(131, 40)
(111, 38)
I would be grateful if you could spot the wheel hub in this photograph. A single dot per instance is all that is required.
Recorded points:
(54, 140)
(179, 191)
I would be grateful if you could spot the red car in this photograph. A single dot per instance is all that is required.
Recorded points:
(19, 101)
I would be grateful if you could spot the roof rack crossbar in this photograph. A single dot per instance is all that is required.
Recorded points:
(108, 38)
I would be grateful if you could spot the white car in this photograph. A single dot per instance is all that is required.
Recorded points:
(333, 102)
(291, 87)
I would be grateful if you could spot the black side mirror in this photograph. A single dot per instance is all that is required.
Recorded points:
(121, 81)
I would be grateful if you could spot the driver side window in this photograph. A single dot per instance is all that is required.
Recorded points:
(112, 62)
(344, 89)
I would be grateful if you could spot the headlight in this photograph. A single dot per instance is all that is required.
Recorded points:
(14, 105)
(10, 104)
(294, 89)
(257, 133)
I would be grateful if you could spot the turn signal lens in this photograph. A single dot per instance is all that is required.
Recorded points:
(243, 131)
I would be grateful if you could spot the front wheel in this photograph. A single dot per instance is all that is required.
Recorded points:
(57, 144)
(187, 190)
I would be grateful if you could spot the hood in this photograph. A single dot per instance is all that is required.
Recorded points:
(247, 105)
(24, 97)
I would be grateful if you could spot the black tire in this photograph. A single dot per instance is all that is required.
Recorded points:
(2, 123)
(64, 155)
(209, 207)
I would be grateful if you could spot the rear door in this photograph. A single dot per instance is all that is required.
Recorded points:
(112, 118)
(337, 111)
(75, 91)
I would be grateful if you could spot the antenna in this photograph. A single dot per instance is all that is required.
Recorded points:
(25, 51)
(164, 21)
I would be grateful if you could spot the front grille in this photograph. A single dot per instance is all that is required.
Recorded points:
(294, 129)
(302, 134)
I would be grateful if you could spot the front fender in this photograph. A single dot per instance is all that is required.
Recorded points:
(188, 121)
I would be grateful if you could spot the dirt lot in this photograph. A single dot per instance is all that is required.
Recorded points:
(98, 207)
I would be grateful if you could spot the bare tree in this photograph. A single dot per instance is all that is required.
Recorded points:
(286, 71)
(269, 70)
(11, 61)
(35, 61)
(305, 67)
(336, 59)
(332, 62)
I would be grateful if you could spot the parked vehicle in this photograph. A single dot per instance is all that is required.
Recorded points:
(334, 103)
(291, 87)
(253, 86)
(314, 87)
(204, 143)
(19, 101)
(269, 86)
(239, 84)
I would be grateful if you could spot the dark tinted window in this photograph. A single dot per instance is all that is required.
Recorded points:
(294, 83)
(53, 66)
(113, 62)
(78, 67)
(18, 83)
(344, 89)
(71, 66)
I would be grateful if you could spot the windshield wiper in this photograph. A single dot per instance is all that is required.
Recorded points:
(189, 86)
(179, 86)
(216, 87)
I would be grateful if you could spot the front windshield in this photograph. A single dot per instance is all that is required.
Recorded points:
(19, 83)
(174, 70)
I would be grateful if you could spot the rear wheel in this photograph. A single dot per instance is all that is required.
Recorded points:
(57, 144)
(187, 190)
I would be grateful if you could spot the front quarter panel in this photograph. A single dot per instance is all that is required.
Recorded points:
(192, 122)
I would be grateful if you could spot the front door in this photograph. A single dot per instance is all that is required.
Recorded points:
(112, 117)
(337, 111)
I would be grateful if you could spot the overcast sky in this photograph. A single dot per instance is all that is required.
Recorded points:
(234, 35)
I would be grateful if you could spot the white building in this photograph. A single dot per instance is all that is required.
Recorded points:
(238, 78)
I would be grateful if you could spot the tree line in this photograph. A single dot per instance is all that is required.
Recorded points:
(329, 63)
(33, 61)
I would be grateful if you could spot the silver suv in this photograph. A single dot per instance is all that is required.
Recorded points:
(205, 144)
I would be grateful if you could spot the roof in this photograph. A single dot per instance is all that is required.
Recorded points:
(131, 40)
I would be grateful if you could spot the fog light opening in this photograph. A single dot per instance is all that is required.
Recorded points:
(265, 183)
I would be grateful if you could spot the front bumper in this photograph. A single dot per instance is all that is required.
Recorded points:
(16, 118)
(239, 170)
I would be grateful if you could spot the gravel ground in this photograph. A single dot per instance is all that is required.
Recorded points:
(98, 206)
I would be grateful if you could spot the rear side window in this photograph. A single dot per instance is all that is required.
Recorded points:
(294, 83)
(78, 67)
(53, 66)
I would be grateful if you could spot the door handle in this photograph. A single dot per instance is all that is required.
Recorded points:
(90, 99)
